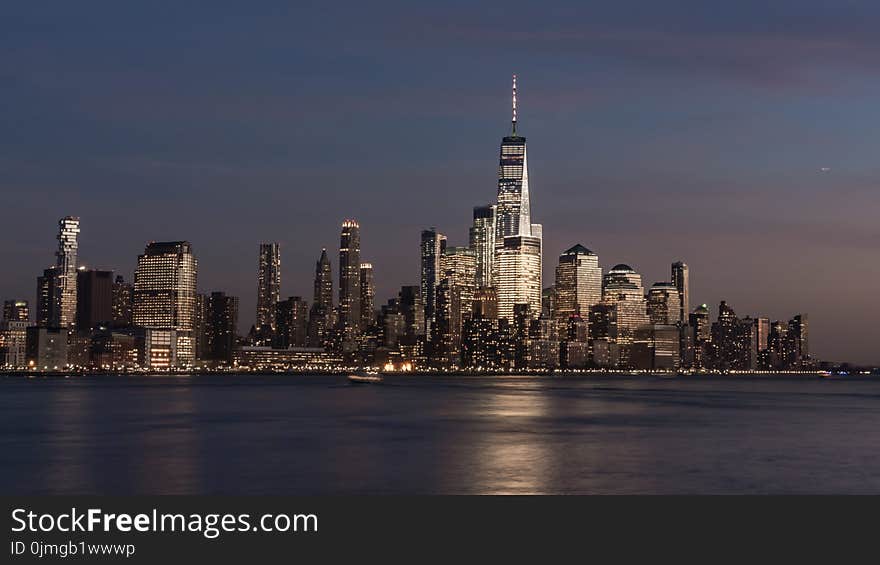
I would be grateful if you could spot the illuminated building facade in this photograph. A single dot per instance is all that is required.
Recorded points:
(578, 284)
(68, 235)
(16, 310)
(165, 299)
(268, 287)
(681, 281)
(368, 296)
(122, 298)
(664, 306)
(433, 244)
(482, 243)
(349, 281)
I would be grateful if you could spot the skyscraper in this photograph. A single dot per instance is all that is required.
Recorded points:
(321, 315)
(622, 291)
(664, 306)
(49, 298)
(68, 232)
(518, 242)
(268, 286)
(292, 323)
(349, 280)
(482, 243)
(459, 264)
(221, 322)
(433, 244)
(165, 297)
(94, 298)
(368, 295)
(680, 279)
(578, 284)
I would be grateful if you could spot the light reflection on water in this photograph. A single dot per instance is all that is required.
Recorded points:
(317, 435)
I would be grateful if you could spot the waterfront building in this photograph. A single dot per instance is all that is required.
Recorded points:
(13, 343)
(459, 264)
(165, 301)
(221, 324)
(623, 292)
(46, 348)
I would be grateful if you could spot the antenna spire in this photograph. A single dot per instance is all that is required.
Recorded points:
(513, 121)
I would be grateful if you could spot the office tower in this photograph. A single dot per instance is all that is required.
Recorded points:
(578, 283)
(485, 303)
(321, 315)
(446, 332)
(349, 280)
(762, 332)
(200, 327)
(664, 306)
(460, 265)
(680, 279)
(780, 346)
(165, 299)
(518, 274)
(268, 287)
(68, 232)
(49, 298)
(292, 322)
(391, 323)
(622, 290)
(482, 243)
(323, 282)
(221, 323)
(16, 310)
(123, 293)
(518, 242)
(699, 338)
(94, 299)
(368, 296)
(521, 325)
(433, 244)
(663, 347)
(574, 348)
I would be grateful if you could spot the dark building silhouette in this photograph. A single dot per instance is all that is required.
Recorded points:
(221, 320)
(291, 323)
(94, 299)
(123, 293)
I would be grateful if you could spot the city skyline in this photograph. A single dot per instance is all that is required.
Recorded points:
(753, 173)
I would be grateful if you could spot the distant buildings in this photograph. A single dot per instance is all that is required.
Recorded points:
(349, 283)
(578, 284)
(221, 322)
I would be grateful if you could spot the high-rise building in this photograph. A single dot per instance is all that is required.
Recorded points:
(578, 284)
(368, 296)
(68, 233)
(699, 338)
(165, 297)
(664, 306)
(622, 290)
(16, 311)
(485, 303)
(433, 244)
(459, 264)
(681, 281)
(94, 299)
(13, 343)
(122, 302)
(799, 334)
(221, 313)
(46, 348)
(268, 287)
(49, 298)
(412, 308)
(518, 242)
(349, 280)
(518, 275)
(321, 315)
(446, 333)
(482, 243)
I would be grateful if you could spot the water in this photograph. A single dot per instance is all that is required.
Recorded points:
(416, 435)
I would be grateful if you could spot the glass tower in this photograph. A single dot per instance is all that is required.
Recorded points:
(482, 242)
(68, 233)
(578, 284)
(350, 279)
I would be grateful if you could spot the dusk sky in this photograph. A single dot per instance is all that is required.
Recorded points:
(657, 131)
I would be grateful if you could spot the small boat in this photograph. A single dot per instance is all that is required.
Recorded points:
(365, 378)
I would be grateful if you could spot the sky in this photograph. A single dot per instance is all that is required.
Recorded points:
(739, 137)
